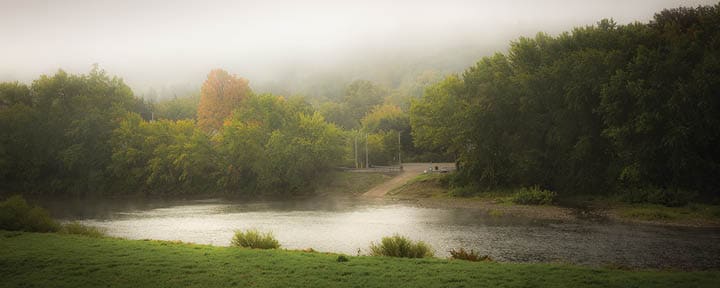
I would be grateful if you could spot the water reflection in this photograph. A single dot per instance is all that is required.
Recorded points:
(346, 226)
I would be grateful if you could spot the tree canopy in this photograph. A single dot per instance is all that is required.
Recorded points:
(600, 109)
(220, 95)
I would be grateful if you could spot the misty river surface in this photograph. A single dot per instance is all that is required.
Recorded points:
(349, 225)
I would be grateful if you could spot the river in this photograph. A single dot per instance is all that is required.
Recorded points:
(349, 226)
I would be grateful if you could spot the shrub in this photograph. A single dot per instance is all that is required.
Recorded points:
(399, 246)
(17, 215)
(462, 254)
(80, 229)
(252, 238)
(534, 196)
(342, 258)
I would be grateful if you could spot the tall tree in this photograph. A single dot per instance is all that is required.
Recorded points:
(220, 94)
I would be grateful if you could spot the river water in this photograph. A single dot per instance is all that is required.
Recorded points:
(349, 226)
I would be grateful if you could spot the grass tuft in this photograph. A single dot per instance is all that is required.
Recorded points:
(399, 246)
(534, 196)
(252, 238)
(80, 229)
(462, 254)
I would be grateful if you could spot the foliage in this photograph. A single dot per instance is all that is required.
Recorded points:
(80, 229)
(385, 118)
(54, 135)
(162, 156)
(462, 254)
(338, 114)
(270, 145)
(600, 109)
(277, 145)
(220, 95)
(534, 196)
(17, 215)
(399, 246)
(178, 108)
(252, 238)
(361, 96)
(385, 124)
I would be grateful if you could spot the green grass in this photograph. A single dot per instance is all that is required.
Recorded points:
(58, 260)
(423, 186)
(348, 184)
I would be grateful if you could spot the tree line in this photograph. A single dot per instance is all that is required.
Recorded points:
(88, 135)
(67, 135)
(598, 110)
(601, 109)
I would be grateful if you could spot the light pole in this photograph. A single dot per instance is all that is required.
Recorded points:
(355, 150)
(367, 161)
(399, 151)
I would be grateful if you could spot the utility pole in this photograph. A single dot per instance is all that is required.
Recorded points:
(367, 161)
(399, 151)
(356, 160)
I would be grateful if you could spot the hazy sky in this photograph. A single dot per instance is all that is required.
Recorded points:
(155, 43)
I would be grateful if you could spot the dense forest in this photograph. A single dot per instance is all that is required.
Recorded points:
(605, 109)
(631, 109)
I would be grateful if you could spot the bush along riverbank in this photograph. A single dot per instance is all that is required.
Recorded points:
(60, 260)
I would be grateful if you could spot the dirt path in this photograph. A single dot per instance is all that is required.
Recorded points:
(410, 171)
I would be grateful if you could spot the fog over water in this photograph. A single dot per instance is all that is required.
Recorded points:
(166, 44)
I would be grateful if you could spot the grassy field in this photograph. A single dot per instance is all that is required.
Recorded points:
(56, 260)
(422, 186)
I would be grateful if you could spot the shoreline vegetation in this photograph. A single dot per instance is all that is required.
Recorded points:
(50, 259)
(432, 190)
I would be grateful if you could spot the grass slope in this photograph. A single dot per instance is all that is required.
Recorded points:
(54, 260)
(350, 184)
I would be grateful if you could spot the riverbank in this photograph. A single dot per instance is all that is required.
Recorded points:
(54, 260)
(431, 190)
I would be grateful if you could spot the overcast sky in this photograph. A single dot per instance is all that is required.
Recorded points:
(167, 42)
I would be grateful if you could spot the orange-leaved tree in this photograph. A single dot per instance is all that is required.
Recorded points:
(220, 95)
